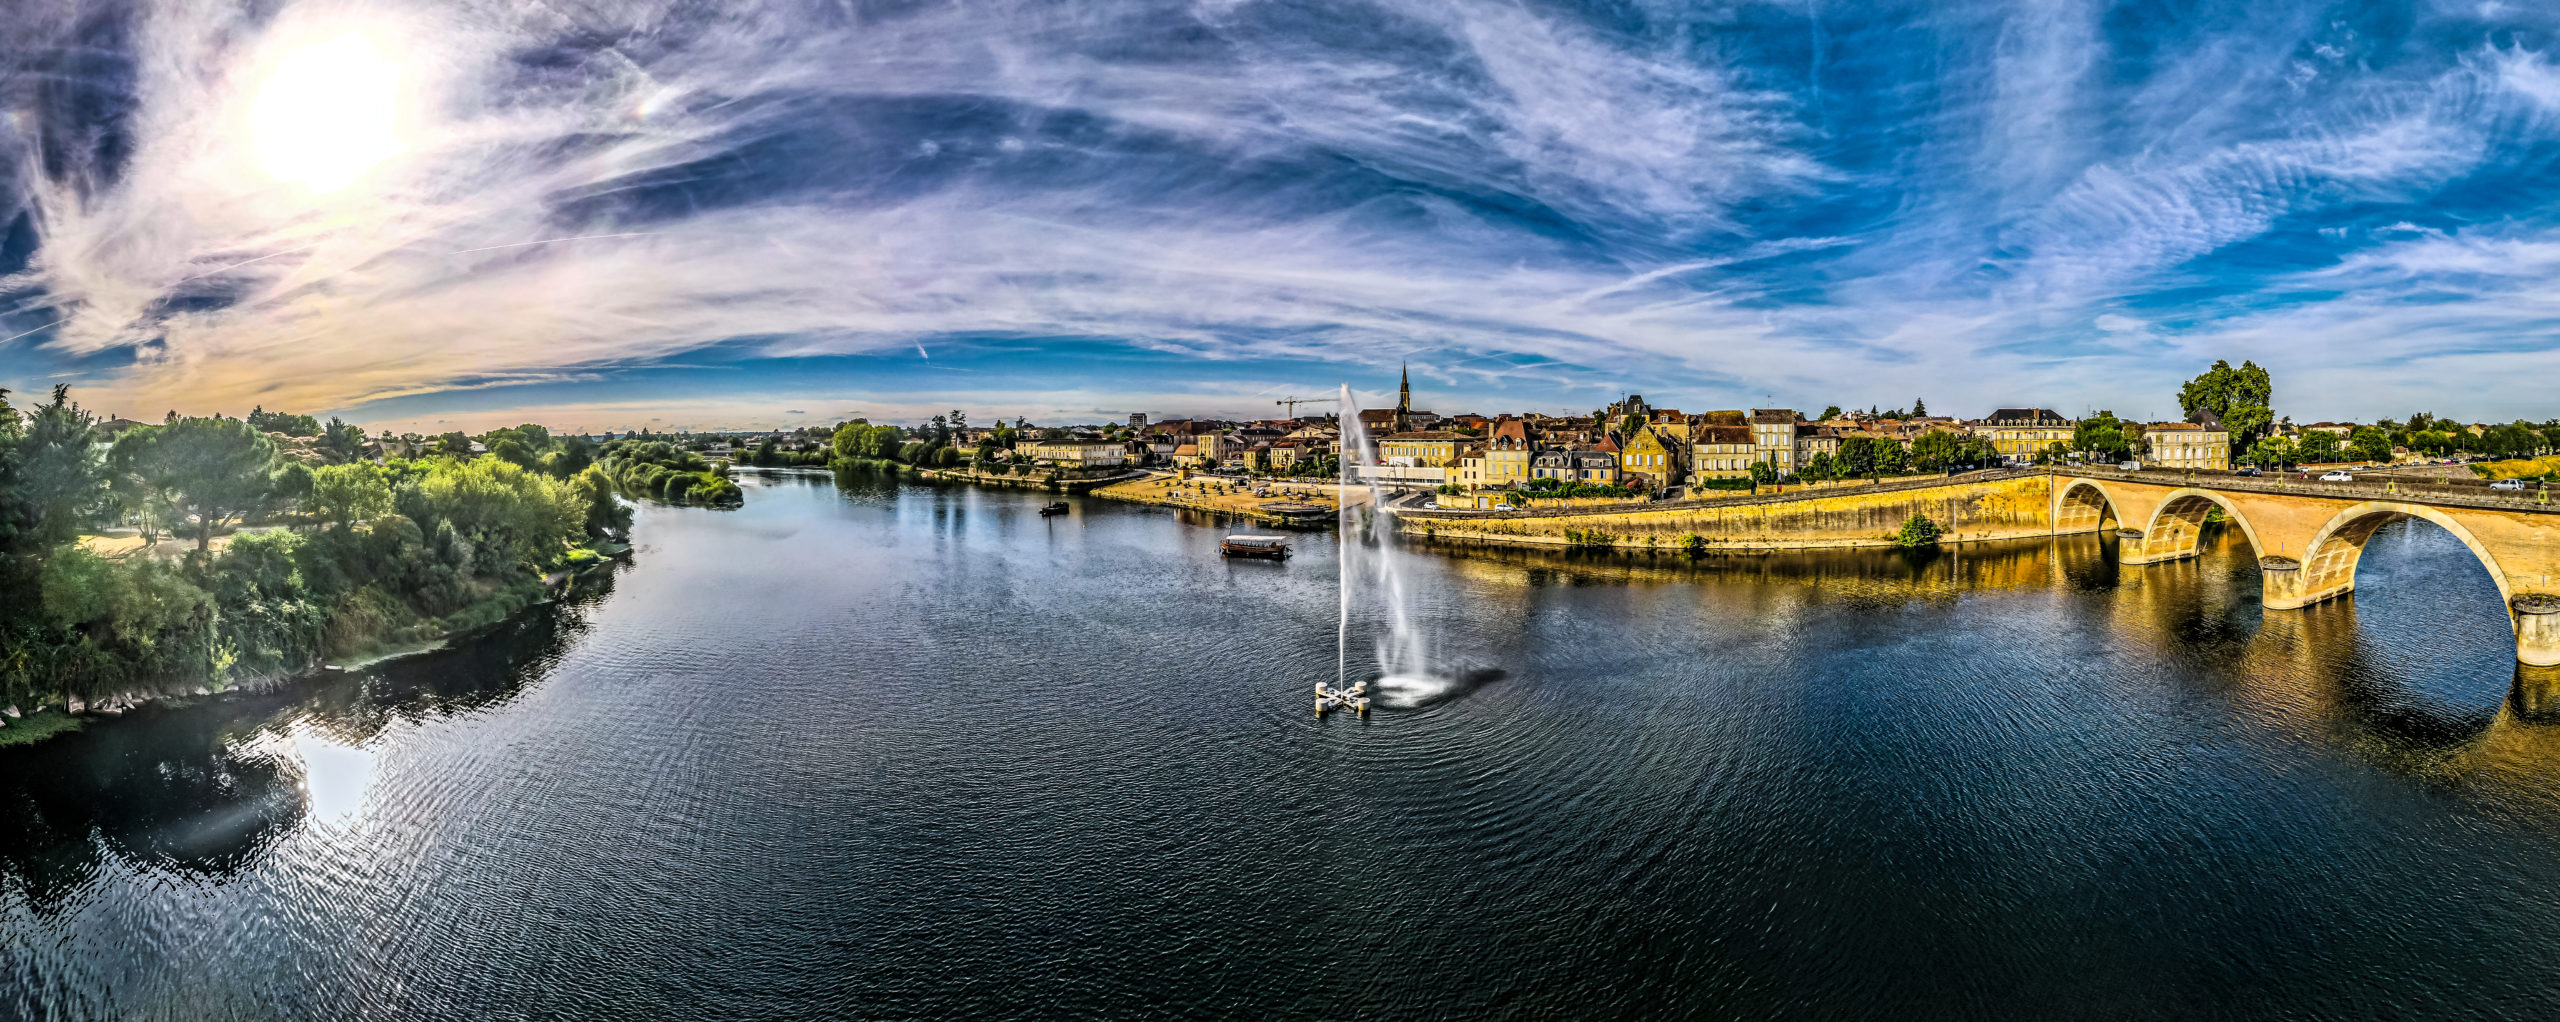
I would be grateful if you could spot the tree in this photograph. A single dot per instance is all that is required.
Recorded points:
(1764, 472)
(1832, 412)
(1919, 408)
(265, 421)
(346, 494)
(206, 471)
(2319, 447)
(2371, 444)
(2275, 452)
(1917, 531)
(341, 441)
(1935, 450)
(49, 480)
(2242, 398)
(1819, 466)
(2102, 435)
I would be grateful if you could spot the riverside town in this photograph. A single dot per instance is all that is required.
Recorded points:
(1292, 510)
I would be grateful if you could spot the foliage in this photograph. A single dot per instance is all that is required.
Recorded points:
(659, 469)
(208, 472)
(2370, 444)
(1764, 472)
(2275, 451)
(2105, 436)
(264, 421)
(2519, 468)
(346, 494)
(1917, 531)
(49, 473)
(2318, 447)
(2242, 398)
(1448, 490)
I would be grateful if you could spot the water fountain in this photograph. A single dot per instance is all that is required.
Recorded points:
(1368, 564)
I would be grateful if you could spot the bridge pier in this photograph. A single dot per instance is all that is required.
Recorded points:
(2537, 628)
(2133, 546)
(2280, 583)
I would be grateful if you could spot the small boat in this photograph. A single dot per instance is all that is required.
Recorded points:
(1058, 507)
(1273, 547)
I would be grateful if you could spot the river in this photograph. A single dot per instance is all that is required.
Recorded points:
(882, 751)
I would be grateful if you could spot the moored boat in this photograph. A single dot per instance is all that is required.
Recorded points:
(1273, 547)
(1055, 507)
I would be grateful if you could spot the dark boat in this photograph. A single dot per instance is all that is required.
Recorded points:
(1273, 547)
(1058, 507)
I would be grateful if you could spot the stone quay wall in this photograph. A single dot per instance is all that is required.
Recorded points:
(1972, 508)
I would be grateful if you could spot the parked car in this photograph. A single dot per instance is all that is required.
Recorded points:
(2248, 470)
(2507, 484)
(2337, 477)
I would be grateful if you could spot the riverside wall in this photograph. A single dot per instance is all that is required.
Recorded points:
(1984, 506)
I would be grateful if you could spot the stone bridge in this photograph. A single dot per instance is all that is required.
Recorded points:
(2309, 536)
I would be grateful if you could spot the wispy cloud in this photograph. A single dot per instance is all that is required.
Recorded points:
(1532, 200)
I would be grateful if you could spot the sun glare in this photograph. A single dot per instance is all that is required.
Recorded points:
(327, 114)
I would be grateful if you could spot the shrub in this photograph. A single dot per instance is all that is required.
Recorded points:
(1917, 531)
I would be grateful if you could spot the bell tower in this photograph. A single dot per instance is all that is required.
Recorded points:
(1404, 399)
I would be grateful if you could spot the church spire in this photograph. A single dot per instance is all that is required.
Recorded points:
(1404, 397)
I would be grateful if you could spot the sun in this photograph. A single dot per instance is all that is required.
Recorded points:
(327, 114)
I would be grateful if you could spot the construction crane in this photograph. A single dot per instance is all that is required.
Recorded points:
(1292, 403)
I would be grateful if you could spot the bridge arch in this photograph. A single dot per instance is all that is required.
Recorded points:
(2177, 524)
(2084, 506)
(2329, 567)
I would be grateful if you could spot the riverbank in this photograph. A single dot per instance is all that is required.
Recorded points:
(60, 716)
(1281, 503)
(1977, 507)
(1043, 481)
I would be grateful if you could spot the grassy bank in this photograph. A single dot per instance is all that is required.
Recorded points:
(38, 726)
(2519, 468)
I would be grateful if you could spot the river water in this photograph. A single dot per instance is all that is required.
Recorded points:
(873, 751)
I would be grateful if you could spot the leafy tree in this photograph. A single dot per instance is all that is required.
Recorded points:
(206, 471)
(1832, 412)
(1819, 466)
(2103, 435)
(2275, 452)
(265, 421)
(2371, 444)
(2242, 398)
(341, 441)
(1917, 531)
(1919, 408)
(1764, 472)
(49, 473)
(453, 445)
(1935, 450)
(2318, 447)
(346, 494)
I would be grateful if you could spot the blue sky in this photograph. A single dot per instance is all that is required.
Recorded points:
(673, 213)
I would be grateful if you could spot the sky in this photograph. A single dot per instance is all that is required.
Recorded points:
(686, 213)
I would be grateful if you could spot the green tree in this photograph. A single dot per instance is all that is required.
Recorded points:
(2275, 452)
(2103, 435)
(1935, 450)
(1919, 408)
(265, 421)
(2371, 444)
(1917, 531)
(346, 494)
(1764, 472)
(2319, 447)
(341, 441)
(209, 472)
(50, 473)
(1829, 413)
(2242, 398)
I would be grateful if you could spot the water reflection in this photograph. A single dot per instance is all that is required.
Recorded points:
(205, 788)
